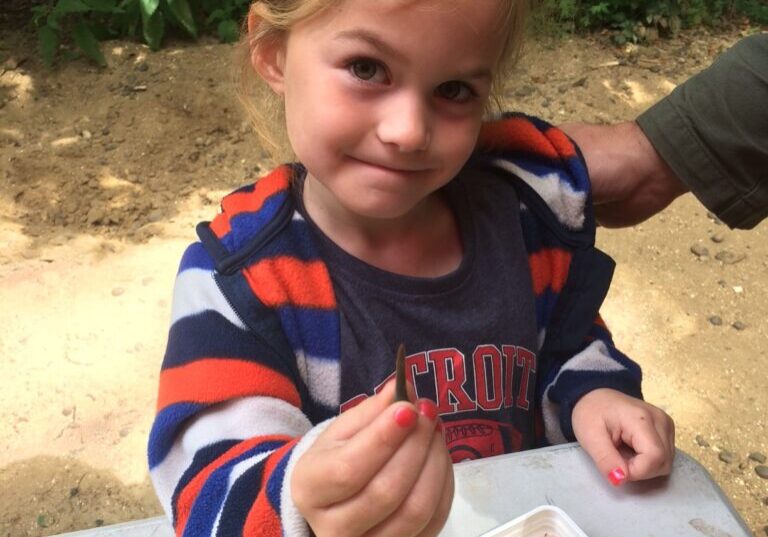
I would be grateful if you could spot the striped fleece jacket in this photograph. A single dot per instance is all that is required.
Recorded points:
(251, 374)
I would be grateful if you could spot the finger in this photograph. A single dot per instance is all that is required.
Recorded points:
(598, 442)
(386, 489)
(421, 504)
(339, 469)
(651, 454)
(443, 509)
(360, 416)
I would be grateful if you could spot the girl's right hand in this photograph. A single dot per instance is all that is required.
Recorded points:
(380, 469)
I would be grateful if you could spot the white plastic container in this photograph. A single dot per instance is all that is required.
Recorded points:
(544, 521)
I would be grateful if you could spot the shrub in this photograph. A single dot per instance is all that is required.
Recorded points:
(86, 22)
(636, 19)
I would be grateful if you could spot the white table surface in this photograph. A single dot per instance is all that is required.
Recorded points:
(492, 491)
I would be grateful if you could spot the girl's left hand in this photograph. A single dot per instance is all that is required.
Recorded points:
(604, 419)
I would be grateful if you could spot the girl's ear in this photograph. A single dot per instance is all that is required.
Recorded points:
(267, 57)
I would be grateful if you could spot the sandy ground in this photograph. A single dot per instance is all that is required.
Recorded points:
(103, 174)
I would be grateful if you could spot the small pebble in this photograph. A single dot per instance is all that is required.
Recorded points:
(738, 325)
(729, 258)
(727, 457)
(758, 457)
(699, 251)
(717, 238)
(700, 440)
(117, 291)
(715, 320)
(762, 471)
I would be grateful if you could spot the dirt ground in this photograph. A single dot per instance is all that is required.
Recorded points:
(103, 173)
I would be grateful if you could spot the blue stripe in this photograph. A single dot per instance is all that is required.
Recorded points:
(568, 181)
(210, 335)
(243, 226)
(314, 331)
(211, 496)
(277, 480)
(164, 428)
(200, 460)
(240, 500)
(196, 257)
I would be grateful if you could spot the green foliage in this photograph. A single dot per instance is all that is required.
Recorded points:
(86, 22)
(634, 20)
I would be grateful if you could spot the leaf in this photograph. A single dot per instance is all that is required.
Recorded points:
(229, 31)
(49, 42)
(71, 6)
(88, 44)
(215, 15)
(153, 28)
(149, 7)
(103, 6)
(180, 10)
(53, 21)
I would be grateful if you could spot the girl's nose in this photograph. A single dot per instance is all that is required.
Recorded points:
(405, 124)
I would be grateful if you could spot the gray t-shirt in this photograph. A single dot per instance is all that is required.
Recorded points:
(470, 336)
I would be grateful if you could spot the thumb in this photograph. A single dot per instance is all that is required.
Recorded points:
(608, 459)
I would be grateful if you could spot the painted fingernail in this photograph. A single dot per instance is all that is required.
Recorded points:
(427, 408)
(405, 416)
(616, 477)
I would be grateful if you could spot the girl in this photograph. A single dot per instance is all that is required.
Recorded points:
(405, 219)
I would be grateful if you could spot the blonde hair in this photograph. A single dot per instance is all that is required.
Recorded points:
(275, 19)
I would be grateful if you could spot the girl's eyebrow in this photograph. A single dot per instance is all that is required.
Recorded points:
(370, 38)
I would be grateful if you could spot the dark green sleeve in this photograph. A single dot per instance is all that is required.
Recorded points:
(713, 132)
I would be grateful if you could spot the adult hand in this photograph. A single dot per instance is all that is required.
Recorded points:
(604, 419)
(630, 181)
(380, 469)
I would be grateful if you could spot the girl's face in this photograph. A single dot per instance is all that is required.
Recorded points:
(384, 98)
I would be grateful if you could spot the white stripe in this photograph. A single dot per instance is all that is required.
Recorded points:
(596, 357)
(566, 203)
(195, 292)
(235, 473)
(322, 377)
(291, 520)
(235, 420)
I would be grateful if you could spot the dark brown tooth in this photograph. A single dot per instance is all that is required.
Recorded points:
(401, 393)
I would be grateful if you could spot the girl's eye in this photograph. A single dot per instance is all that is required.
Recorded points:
(366, 70)
(454, 90)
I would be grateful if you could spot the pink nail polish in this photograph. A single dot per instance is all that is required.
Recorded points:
(405, 416)
(427, 408)
(616, 477)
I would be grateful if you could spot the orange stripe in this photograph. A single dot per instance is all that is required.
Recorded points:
(190, 492)
(220, 225)
(262, 519)
(516, 134)
(250, 202)
(211, 380)
(562, 143)
(549, 269)
(290, 281)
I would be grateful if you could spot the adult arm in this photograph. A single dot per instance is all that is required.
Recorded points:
(709, 136)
